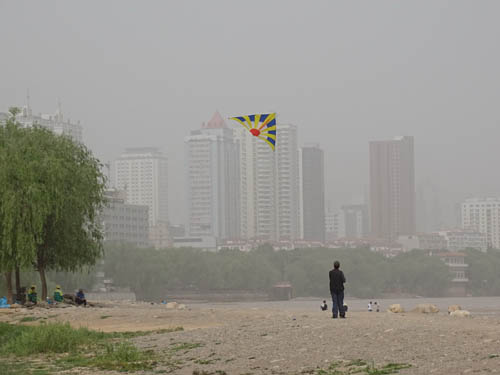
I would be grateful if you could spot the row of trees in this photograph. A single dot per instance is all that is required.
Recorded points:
(51, 192)
(152, 273)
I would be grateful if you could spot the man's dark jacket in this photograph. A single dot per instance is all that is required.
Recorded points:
(337, 280)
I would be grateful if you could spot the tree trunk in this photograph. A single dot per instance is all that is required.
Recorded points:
(8, 277)
(18, 282)
(43, 280)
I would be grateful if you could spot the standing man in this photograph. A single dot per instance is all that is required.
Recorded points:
(337, 280)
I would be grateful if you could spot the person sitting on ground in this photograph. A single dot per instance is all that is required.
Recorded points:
(58, 294)
(377, 308)
(32, 295)
(324, 306)
(80, 298)
(21, 296)
(370, 306)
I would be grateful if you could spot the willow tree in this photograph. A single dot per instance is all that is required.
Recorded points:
(21, 223)
(74, 194)
(55, 226)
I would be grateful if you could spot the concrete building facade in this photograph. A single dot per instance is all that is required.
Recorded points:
(288, 181)
(124, 222)
(55, 122)
(356, 220)
(212, 181)
(142, 174)
(483, 216)
(392, 188)
(313, 193)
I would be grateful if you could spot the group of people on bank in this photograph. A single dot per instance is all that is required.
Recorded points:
(58, 296)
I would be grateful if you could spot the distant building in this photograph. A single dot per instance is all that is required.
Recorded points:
(124, 222)
(205, 243)
(334, 225)
(54, 122)
(392, 188)
(459, 271)
(313, 193)
(288, 181)
(458, 239)
(212, 176)
(142, 174)
(269, 186)
(483, 216)
(356, 220)
(452, 240)
(159, 236)
(423, 241)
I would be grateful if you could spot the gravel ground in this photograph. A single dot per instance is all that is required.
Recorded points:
(263, 338)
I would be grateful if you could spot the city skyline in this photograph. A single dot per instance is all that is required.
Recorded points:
(139, 84)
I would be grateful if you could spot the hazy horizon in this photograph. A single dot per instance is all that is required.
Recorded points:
(146, 74)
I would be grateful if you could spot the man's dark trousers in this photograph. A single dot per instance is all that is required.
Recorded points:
(338, 303)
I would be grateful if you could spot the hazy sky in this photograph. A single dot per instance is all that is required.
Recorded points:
(146, 73)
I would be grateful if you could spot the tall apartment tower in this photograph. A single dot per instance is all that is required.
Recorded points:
(313, 193)
(269, 185)
(213, 204)
(142, 174)
(258, 188)
(288, 179)
(483, 216)
(392, 188)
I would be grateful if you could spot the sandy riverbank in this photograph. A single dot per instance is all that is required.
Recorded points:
(291, 338)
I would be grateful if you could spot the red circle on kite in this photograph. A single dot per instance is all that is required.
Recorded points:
(255, 132)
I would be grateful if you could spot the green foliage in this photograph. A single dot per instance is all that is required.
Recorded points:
(51, 192)
(48, 338)
(115, 357)
(152, 273)
(483, 274)
(359, 366)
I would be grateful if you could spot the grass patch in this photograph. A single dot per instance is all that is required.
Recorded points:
(115, 357)
(48, 338)
(185, 346)
(29, 319)
(80, 347)
(132, 334)
(359, 366)
(105, 316)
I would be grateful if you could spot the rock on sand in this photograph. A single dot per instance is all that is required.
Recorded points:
(452, 308)
(396, 308)
(425, 308)
(460, 313)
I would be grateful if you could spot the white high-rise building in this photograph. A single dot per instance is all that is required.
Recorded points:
(288, 179)
(269, 185)
(483, 216)
(55, 122)
(142, 174)
(258, 214)
(212, 180)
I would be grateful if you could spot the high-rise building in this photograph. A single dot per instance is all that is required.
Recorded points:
(356, 220)
(269, 185)
(334, 224)
(288, 180)
(213, 190)
(313, 193)
(142, 174)
(483, 216)
(55, 122)
(392, 188)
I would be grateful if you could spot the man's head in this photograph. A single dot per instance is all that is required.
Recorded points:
(336, 264)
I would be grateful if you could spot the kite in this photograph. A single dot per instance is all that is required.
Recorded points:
(262, 126)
